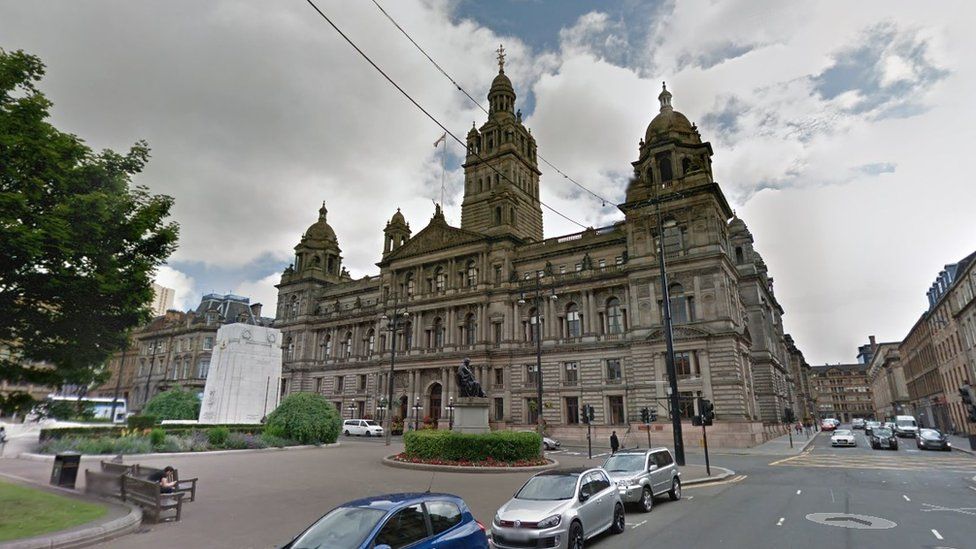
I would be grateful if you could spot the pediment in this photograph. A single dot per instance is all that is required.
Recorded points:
(680, 333)
(437, 235)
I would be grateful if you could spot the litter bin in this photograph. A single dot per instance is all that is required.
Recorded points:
(65, 470)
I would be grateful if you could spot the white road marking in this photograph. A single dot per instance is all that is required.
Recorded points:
(832, 500)
(781, 519)
(691, 498)
(937, 535)
(641, 523)
(798, 492)
(972, 488)
(906, 497)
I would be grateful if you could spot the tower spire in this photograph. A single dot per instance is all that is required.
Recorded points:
(501, 58)
(665, 97)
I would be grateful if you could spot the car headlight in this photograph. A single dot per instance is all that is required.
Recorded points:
(631, 482)
(549, 522)
(497, 520)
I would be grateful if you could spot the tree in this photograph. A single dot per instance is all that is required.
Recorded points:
(80, 244)
(305, 417)
(174, 404)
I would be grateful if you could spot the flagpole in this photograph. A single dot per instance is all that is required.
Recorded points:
(443, 167)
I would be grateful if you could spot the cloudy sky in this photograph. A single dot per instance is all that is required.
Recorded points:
(841, 129)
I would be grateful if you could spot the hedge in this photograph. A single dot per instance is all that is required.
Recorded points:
(117, 430)
(306, 417)
(452, 446)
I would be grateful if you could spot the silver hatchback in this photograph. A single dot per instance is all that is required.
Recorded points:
(560, 508)
(643, 474)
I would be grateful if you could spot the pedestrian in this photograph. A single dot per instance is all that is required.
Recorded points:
(614, 443)
(165, 478)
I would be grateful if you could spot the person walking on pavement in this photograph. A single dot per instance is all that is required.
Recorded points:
(614, 443)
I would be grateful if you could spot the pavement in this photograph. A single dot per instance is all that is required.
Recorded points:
(961, 444)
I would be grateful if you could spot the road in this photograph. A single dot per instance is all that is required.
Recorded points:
(262, 499)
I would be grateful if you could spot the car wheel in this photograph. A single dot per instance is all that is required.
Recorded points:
(347, 433)
(647, 500)
(619, 521)
(575, 536)
(675, 492)
(367, 433)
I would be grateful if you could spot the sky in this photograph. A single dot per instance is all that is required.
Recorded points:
(841, 130)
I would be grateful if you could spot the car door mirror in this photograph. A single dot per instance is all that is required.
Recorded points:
(652, 467)
(584, 495)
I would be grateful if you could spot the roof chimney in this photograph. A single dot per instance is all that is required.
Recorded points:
(256, 311)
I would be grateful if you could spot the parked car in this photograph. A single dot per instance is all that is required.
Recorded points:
(364, 427)
(883, 438)
(870, 425)
(421, 521)
(827, 425)
(548, 443)
(843, 437)
(559, 508)
(931, 439)
(857, 423)
(643, 474)
(905, 426)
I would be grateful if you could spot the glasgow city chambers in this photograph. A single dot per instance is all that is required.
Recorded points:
(445, 293)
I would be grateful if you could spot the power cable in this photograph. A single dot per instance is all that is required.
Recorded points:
(423, 110)
(475, 101)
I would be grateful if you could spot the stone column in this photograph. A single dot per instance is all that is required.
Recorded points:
(515, 322)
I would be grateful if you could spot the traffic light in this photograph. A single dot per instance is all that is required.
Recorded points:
(589, 413)
(645, 415)
(584, 414)
(969, 400)
(707, 410)
(653, 415)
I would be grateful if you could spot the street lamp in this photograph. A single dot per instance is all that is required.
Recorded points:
(416, 414)
(537, 297)
(351, 408)
(154, 344)
(679, 445)
(381, 409)
(392, 324)
(450, 413)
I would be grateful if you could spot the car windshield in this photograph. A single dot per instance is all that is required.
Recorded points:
(549, 488)
(372, 423)
(625, 462)
(341, 528)
(905, 423)
(930, 433)
(882, 432)
(873, 423)
(842, 432)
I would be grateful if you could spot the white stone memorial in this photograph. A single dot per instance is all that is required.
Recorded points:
(245, 373)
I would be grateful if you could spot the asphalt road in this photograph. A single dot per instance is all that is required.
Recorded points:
(262, 499)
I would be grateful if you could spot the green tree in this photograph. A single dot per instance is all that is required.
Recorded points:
(174, 404)
(80, 244)
(305, 417)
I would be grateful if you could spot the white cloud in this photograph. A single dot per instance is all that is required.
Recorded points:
(262, 291)
(185, 294)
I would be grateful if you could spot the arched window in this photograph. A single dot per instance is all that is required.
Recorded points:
(411, 285)
(512, 214)
(407, 336)
(650, 174)
(293, 307)
(685, 165)
(325, 346)
(370, 342)
(440, 279)
(574, 324)
(682, 306)
(289, 348)
(615, 318)
(498, 215)
(471, 274)
(346, 350)
(438, 333)
(664, 166)
(470, 329)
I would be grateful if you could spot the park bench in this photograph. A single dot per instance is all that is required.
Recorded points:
(149, 496)
(187, 487)
(108, 481)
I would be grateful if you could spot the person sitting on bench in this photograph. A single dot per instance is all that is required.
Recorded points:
(165, 479)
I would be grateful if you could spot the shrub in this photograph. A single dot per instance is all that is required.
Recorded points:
(141, 422)
(174, 404)
(218, 436)
(241, 441)
(272, 441)
(305, 417)
(157, 437)
(448, 445)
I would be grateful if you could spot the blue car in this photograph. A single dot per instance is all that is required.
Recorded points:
(392, 521)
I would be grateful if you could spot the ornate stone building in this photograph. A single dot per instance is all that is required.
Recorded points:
(601, 312)
(842, 391)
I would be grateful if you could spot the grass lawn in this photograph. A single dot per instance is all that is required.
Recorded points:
(26, 512)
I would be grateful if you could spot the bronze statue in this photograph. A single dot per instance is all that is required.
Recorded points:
(468, 386)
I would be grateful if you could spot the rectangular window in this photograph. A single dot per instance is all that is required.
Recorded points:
(362, 382)
(497, 331)
(499, 409)
(614, 371)
(579, 267)
(318, 385)
(683, 364)
(616, 406)
(531, 411)
(619, 260)
(208, 343)
(499, 377)
(531, 374)
(686, 404)
(498, 274)
(203, 368)
(571, 374)
(338, 385)
(603, 263)
(572, 410)
(562, 269)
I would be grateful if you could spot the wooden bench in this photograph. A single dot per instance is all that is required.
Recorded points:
(149, 496)
(108, 481)
(187, 487)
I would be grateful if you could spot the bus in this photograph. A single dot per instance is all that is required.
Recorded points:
(102, 406)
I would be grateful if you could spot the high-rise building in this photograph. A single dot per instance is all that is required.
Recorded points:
(162, 299)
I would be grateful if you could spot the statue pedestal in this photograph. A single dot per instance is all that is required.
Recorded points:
(471, 415)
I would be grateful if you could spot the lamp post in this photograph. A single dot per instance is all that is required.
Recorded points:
(679, 445)
(537, 297)
(152, 359)
(416, 414)
(393, 320)
(352, 409)
(381, 409)
(450, 414)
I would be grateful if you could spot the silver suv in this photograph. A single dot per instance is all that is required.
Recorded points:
(642, 474)
(559, 508)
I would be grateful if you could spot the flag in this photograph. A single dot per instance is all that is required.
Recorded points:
(440, 139)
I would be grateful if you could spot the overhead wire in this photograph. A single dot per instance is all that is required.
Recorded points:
(476, 102)
(425, 111)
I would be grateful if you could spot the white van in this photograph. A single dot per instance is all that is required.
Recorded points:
(905, 426)
(364, 427)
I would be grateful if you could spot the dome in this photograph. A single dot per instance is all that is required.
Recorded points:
(668, 121)
(502, 83)
(320, 230)
(398, 218)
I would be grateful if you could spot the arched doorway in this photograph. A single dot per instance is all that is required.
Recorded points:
(403, 407)
(435, 402)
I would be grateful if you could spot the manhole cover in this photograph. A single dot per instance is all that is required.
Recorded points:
(858, 522)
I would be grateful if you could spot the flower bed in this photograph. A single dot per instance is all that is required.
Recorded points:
(144, 441)
(487, 462)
